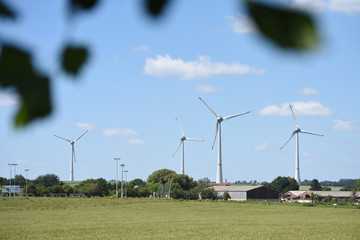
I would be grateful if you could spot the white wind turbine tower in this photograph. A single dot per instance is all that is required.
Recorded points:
(296, 132)
(72, 153)
(182, 143)
(219, 177)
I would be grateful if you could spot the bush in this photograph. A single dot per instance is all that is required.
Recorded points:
(226, 196)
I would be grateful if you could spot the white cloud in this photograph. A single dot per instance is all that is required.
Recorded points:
(308, 91)
(260, 147)
(241, 24)
(8, 100)
(110, 132)
(340, 125)
(349, 7)
(85, 126)
(310, 108)
(141, 49)
(208, 89)
(203, 67)
(136, 141)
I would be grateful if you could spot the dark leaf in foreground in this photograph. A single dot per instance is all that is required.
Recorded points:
(73, 59)
(82, 5)
(6, 11)
(286, 27)
(17, 71)
(155, 7)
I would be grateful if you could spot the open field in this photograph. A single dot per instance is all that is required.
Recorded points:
(306, 188)
(104, 218)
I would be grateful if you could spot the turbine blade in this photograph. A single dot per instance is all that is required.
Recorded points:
(232, 116)
(302, 131)
(180, 127)
(216, 131)
(177, 148)
(194, 139)
(63, 138)
(81, 135)
(217, 115)
(288, 140)
(73, 152)
(297, 125)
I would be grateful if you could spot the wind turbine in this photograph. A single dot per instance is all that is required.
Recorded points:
(219, 178)
(182, 143)
(72, 153)
(296, 132)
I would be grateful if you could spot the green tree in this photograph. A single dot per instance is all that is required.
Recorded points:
(4, 181)
(67, 189)
(325, 188)
(56, 189)
(136, 182)
(315, 185)
(284, 184)
(47, 180)
(31, 189)
(161, 176)
(41, 190)
(144, 192)
(209, 193)
(226, 196)
(184, 181)
(20, 180)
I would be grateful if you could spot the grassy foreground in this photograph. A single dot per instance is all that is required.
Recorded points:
(92, 218)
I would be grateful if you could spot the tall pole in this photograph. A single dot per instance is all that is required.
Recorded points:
(182, 158)
(15, 164)
(26, 171)
(122, 173)
(219, 177)
(297, 167)
(117, 172)
(72, 163)
(10, 164)
(126, 171)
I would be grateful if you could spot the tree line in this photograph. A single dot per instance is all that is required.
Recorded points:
(161, 183)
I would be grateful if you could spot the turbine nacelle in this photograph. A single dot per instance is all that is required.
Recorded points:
(220, 119)
(183, 138)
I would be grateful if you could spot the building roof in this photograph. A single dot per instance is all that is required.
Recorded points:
(234, 188)
(294, 193)
(334, 193)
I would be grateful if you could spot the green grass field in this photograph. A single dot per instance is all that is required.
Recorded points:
(104, 218)
(306, 188)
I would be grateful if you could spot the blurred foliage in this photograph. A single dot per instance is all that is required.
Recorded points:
(73, 59)
(6, 12)
(285, 27)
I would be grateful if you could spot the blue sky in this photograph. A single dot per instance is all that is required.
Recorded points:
(144, 73)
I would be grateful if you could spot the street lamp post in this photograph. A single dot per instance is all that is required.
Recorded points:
(14, 164)
(117, 172)
(10, 164)
(126, 171)
(122, 173)
(26, 171)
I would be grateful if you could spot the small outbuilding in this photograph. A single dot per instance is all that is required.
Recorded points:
(305, 196)
(243, 193)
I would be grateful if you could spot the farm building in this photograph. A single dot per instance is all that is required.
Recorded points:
(305, 196)
(243, 193)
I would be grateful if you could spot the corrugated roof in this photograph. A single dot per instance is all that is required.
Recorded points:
(334, 193)
(234, 188)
